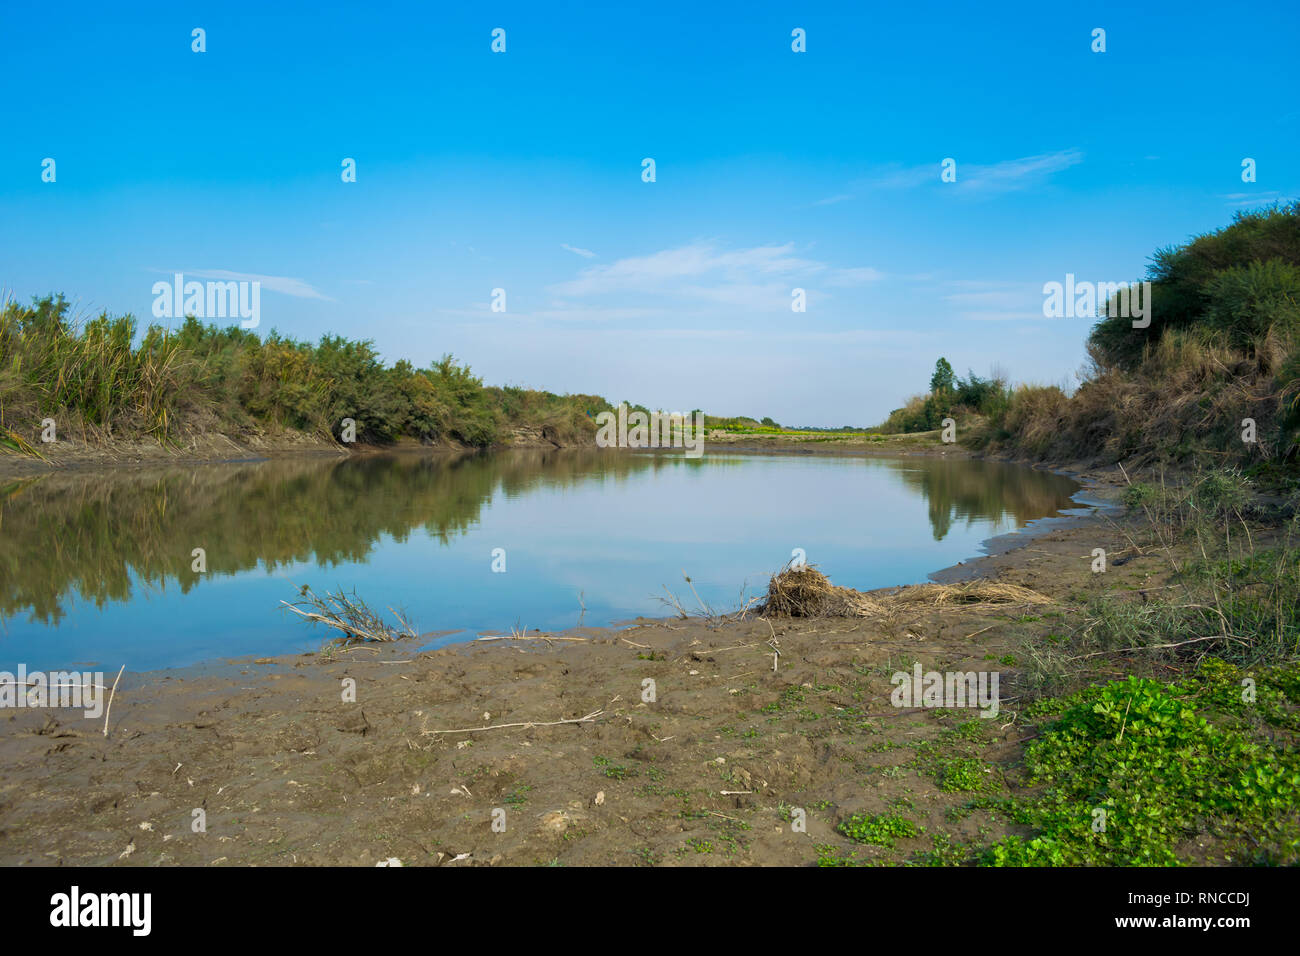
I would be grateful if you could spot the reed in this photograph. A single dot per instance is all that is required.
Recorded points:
(100, 380)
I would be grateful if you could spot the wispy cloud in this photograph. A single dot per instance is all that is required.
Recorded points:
(676, 270)
(285, 285)
(585, 253)
(703, 276)
(1235, 200)
(1008, 175)
(993, 301)
(1018, 173)
(700, 280)
(596, 314)
(849, 277)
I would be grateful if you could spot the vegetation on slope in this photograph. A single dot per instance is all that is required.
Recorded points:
(98, 381)
(1221, 349)
(1195, 750)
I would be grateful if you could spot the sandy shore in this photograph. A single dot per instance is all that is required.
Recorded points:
(713, 770)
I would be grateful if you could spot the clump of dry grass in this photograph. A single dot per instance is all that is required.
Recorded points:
(1185, 402)
(807, 592)
(970, 594)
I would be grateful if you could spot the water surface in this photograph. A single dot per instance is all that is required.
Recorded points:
(97, 567)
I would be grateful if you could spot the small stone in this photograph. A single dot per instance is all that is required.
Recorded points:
(555, 821)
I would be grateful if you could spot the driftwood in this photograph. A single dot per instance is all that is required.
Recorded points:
(349, 615)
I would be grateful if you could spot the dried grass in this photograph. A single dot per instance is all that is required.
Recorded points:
(807, 592)
(1186, 401)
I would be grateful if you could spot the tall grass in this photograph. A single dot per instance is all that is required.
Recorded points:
(50, 364)
(1185, 404)
(95, 378)
(1242, 581)
(1232, 591)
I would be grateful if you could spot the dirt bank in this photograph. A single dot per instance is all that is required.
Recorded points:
(926, 444)
(714, 770)
(83, 452)
(73, 454)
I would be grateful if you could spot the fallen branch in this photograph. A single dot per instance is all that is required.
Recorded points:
(529, 723)
(351, 629)
(109, 709)
(521, 637)
(1155, 647)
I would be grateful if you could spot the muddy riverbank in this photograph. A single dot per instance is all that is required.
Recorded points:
(382, 752)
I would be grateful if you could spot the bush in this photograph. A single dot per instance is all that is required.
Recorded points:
(1188, 284)
(1247, 302)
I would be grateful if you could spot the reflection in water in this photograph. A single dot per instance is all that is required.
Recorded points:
(966, 490)
(104, 560)
(93, 534)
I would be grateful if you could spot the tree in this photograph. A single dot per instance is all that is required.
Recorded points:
(942, 380)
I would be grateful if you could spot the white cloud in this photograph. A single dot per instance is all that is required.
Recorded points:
(583, 314)
(986, 300)
(704, 279)
(667, 270)
(701, 281)
(1254, 199)
(1006, 176)
(859, 276)
(585, 253)
(282, 284)
(1018, 173)
(1003, 316)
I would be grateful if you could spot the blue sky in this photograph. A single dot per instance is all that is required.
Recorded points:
(775, 170)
